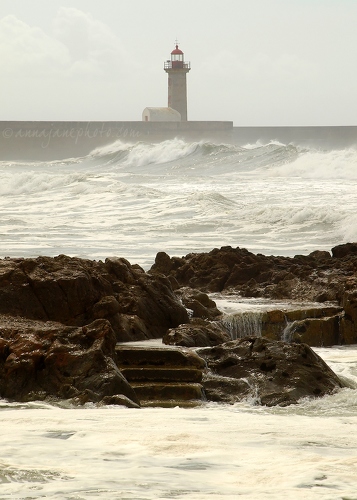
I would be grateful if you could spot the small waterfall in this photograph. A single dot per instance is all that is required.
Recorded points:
(289, 330)
(244, 324)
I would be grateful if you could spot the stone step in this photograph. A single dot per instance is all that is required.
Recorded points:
(157, 357)
(157, 391)
(161, 374)
(172, 403)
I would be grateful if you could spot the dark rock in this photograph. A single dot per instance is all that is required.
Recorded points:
(314, 277)
(320, 255)
(76, 291)
(61, 317)
(163, 263)
(271, 372)
(40, 360)
(344, 250)
(119, 399)
(349, 304)
(314, 325)
(198, 303)
(317, 332)
(198, 333)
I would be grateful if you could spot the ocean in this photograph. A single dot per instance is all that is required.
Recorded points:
(133, 200)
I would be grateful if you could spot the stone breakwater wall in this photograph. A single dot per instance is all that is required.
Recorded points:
(57, 140)
(338, 137)
(50, 140)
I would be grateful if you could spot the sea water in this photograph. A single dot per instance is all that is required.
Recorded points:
(305, 451)
(133, 200)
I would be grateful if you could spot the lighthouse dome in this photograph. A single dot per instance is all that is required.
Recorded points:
(177, 51)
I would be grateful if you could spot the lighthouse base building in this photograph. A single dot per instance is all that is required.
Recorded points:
(161, 115)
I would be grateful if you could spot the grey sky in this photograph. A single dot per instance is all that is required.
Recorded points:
(256, 62)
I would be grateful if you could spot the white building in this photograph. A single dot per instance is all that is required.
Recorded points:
(161, 115)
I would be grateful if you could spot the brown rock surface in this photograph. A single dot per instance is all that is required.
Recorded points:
(40, 360)
(198, 303)
(318, 277)
(197, 333)
(61, 317)
(76, 291)
(272, 372)
(315, 277)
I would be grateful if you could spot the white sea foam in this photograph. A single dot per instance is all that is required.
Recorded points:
(136, 199)
(306, 451)
(337, 164)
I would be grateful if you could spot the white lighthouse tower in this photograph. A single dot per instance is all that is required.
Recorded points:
(177, 69)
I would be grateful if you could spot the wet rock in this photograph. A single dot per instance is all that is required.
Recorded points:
(75, 292)
(344, 250)
(119, 399)
(320, 255)
(270, 372)
(316, 332)
(348, 325)
(41, 360)
(314, 277)
(198, 333)
(315, 326)
(199, 304)
(317, 277)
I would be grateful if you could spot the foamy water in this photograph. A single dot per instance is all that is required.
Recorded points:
(307, 451)
(133, 200)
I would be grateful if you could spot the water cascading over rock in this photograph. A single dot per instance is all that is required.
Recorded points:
(244, 324)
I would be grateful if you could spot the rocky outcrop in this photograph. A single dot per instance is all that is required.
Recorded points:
(76, 292)
(318, 277)
(199, 304)
(316, 326)
(345, 250)
(61, 317)
(198, 333)
(41, 360)
(270, 372)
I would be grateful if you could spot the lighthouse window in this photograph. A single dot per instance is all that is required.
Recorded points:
(177, 57)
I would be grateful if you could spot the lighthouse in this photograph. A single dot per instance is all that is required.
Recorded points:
(177, 68)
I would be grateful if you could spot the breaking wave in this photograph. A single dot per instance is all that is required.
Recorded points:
(273, 159)
(180, 196)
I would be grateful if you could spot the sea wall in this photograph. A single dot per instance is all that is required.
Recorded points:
(338, 137)
(56, 140)
(45, 140)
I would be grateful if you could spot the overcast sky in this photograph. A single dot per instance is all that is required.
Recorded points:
(256, 62)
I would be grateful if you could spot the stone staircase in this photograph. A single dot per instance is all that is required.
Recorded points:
(163, 376)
